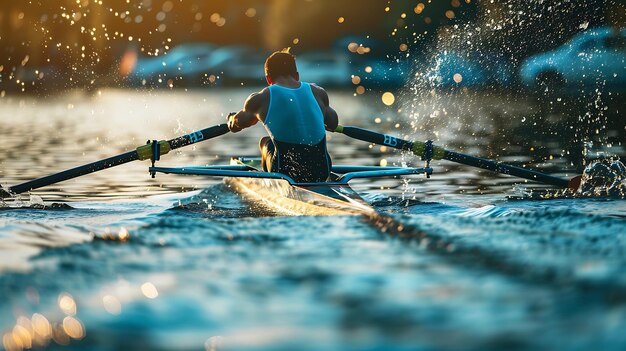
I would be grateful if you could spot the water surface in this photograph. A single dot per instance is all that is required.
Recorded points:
(124, 261)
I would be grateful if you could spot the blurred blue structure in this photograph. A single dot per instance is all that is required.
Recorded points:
(595, 58)
(238, 64)
(187, 61)
(386, 73)
(476, 70)
(326, 68)
(202, 64)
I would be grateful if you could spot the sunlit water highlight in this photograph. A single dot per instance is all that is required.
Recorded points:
(130, 262)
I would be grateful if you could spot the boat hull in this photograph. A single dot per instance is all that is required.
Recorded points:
(300, 200)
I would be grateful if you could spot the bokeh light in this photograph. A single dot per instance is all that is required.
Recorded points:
(388, 98)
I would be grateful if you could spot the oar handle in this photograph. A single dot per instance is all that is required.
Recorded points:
(141, 153)
(420, 149)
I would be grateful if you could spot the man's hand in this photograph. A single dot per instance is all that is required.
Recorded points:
(241, 120)
(232, 122)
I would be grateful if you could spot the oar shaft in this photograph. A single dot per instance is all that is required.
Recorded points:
(75, 172)
(440, 153)
(201, 135)
(504, 168)
(141, 153)
(374, 137)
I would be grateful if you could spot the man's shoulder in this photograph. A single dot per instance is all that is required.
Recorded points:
(314, 86)
(261, 92)
(259, 96)
(256, 101)
(319, 92)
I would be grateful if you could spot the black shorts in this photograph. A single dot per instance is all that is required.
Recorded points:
(304, 163)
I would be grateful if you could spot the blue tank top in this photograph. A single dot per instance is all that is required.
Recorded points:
(294, 115)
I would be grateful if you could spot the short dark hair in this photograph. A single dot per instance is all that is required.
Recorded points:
(281, 63)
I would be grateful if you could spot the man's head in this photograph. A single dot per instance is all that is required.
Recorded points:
(280, 64)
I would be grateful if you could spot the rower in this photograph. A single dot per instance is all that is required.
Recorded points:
(295, 115)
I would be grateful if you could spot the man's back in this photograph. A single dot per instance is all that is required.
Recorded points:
(295, 115)
(295, 124)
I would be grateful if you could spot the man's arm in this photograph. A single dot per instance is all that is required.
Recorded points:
(248, 116)
(331, 120)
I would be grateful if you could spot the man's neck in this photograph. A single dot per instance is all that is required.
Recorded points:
(288, 82)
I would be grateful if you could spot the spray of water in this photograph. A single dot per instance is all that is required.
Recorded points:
(469, 91)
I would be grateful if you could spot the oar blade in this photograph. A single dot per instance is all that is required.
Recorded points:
(574, 183)
(4, 193)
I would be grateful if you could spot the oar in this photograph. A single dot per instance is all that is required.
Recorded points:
(143, 152)
(427, 151)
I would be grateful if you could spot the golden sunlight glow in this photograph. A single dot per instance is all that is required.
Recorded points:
(362, 50)
(22, 337)
(123, 234)
(215, 17)
(356, 80)
(360, 89)
(27, 334)
(67, 304)
(167, 6)
(388, 98)
(368, 69)
(41, 326)
(128, 63)
(383, 162)
(73, 328)
(8, 342)
(457, 78)
(341, 19)
(149, 290)
(251, 12)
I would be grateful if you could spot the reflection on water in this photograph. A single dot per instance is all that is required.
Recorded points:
(130, 262)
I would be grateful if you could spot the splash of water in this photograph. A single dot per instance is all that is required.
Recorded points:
(605, 177)
(602, 178)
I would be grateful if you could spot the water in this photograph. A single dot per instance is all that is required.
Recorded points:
(463, 260)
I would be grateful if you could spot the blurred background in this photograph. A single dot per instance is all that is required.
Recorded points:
(89, 44)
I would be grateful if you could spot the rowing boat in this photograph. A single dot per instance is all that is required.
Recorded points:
(265, 185)
(283, 195)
